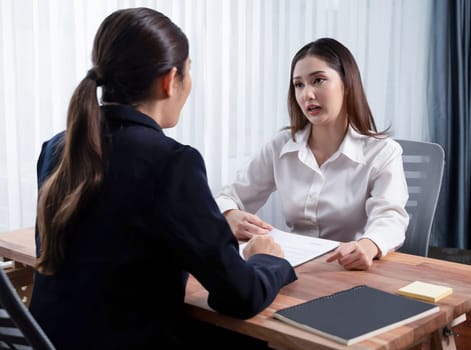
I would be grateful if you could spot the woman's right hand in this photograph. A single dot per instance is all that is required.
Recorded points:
(245, 225)
(262, 244)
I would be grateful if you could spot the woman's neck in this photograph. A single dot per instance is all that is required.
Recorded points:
(325, 141)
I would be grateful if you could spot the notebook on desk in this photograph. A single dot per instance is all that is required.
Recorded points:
(352, 315)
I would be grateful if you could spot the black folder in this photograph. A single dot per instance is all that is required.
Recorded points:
(355, 314)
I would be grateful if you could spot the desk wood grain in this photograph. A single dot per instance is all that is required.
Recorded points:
(318, 278)
(19, 245)
(315, 279)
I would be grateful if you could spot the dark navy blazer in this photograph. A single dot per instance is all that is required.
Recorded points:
(153, 221)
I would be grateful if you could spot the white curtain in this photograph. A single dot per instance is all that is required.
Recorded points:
(241, 52)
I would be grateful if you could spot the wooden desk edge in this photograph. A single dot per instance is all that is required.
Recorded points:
(19, 245)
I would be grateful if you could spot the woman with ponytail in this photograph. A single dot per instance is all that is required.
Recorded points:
(121, 204)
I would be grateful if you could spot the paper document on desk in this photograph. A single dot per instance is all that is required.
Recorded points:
(299, 248)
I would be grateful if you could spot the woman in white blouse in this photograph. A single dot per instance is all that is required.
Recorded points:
(336, 175)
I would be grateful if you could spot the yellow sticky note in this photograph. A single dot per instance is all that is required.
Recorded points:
(425, 291)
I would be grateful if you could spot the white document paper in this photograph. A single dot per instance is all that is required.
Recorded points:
(299, 248)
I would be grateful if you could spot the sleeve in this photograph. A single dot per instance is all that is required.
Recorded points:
(203, 244)
(253, 184)
(385, 208)
(49, 157)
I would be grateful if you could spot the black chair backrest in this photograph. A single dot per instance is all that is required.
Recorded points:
(18, 328)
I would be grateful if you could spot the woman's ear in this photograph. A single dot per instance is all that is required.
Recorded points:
(168, 82)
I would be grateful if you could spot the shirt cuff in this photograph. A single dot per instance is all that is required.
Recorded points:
(225, 203)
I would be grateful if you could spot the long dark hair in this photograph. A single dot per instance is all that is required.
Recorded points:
(132, 48)
(339, 58)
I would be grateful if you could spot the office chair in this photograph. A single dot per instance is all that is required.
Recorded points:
(18, 328)
(423, 166)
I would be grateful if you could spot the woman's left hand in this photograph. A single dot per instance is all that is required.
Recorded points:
(355, 255)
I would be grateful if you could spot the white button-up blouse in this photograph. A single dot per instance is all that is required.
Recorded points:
(359, 192)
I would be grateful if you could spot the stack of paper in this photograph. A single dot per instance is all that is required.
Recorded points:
(298, 248)
(425, 291)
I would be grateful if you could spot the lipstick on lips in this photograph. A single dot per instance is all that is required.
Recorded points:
(313, 109)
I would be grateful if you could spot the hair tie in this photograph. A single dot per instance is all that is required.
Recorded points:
(91, 74)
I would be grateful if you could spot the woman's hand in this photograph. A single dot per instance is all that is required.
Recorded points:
(262, 244)
(245, 225)
(355, 255)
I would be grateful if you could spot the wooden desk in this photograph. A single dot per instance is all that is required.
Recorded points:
(19, 247)
(317, 278)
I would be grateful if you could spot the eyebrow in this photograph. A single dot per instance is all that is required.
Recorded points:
(310, 74)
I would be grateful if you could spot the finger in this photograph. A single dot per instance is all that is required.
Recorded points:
(355, 265)
(255, 220)
(357, 262)
(332, 257)
(338, 253)
(255, 229)
(243, 235)
(349, 260)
